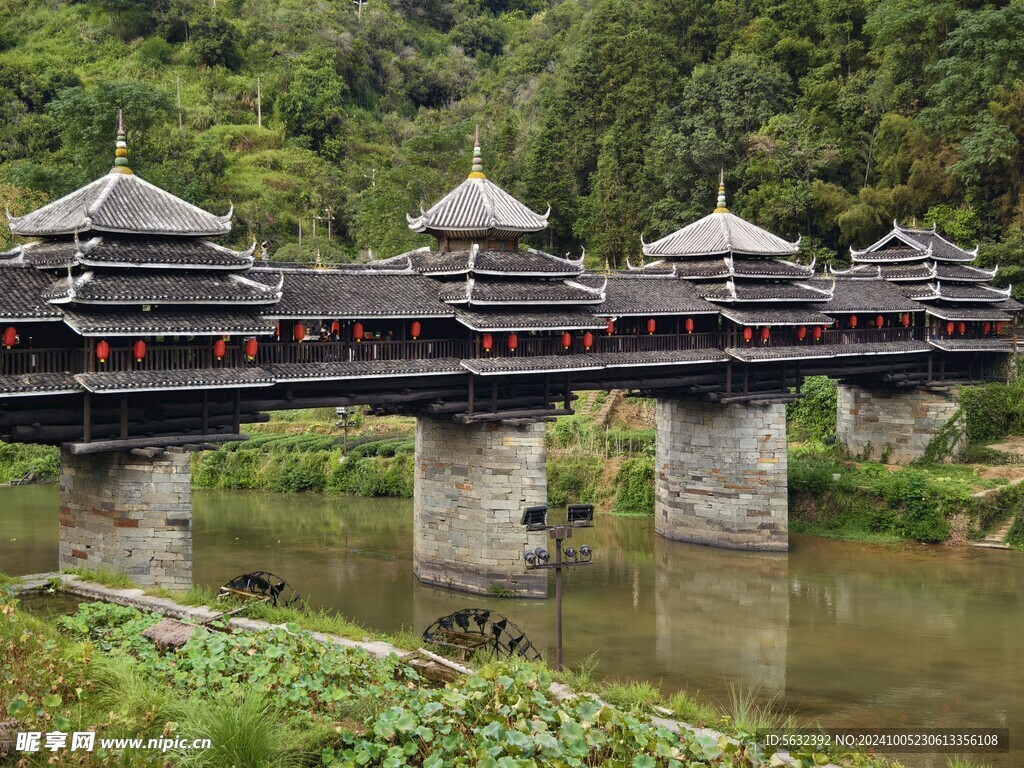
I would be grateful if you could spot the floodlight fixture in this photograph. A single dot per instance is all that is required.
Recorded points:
(581, 515)
(529, 557)
(541, 555)
(570, 553)
(535, 518)
(586, 552)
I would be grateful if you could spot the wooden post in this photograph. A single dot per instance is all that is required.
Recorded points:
(236, 422)
(494, 397)
(469, 408)
(567, 394)
(728, 378)
(87, 417)
(206, 412)
(124, 416)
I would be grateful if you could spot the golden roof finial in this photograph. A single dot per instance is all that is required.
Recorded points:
(477, 171)
(721, 193)
(121, 152)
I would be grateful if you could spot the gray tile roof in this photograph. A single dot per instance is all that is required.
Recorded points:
(369, 369)
(519, 292)
(705, 269)
(478, 207)
(774, 354)
(120, 202)
(941, 248)
(354, 295)
(980, 314)
(111, 382)
(526, 320)
(21, 289)
(492, 366)
(38, 384)
(720, 233)
(164, 287)
(650, 359)
(953, 272)
(973, 345)
(165, 321)
(627, 296)
(773, 316)
(865, 296)
(524, 262)
(760, 290)
(130, 251)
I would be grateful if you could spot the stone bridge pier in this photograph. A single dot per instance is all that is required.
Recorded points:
(895, 426)
(720, 474)
(132, 513)
(471, 485)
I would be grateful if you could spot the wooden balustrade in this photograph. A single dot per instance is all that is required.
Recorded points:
(166, 357)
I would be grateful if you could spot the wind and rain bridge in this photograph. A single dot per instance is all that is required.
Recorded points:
(130, 337)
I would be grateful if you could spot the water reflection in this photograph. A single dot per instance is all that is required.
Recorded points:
(722, 614)
(851, 634)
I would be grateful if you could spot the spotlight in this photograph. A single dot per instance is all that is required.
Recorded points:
(535, 518)
(581, 515)
(529, 557)
(586, 552)
(541, 554)
(570, 553)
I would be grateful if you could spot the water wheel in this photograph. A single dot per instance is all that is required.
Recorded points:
(264, 586)
(470, 630)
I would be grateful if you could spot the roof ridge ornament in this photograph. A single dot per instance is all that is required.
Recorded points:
(121, 147)
(722, 208)
(477, 171)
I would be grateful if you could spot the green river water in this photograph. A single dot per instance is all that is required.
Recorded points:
(849, 634)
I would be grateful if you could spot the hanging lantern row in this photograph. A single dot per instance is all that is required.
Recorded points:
(10, 336)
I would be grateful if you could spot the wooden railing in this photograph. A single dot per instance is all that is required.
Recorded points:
(159, 357)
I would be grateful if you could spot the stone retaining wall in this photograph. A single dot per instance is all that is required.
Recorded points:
(128, 513)
(720, 474)
(892, 426)
(472, 483)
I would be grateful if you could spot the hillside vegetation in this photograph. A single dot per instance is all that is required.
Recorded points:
(829, 118)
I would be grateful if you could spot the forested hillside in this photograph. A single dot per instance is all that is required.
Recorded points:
(830, 117)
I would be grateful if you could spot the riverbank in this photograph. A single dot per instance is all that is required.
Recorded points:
(283, 696)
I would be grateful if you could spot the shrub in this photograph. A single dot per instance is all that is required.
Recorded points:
(634, 485)
(813, 417)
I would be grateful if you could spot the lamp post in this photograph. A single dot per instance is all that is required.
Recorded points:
(535, 519)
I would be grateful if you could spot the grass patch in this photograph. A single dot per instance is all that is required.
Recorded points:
(107, 577)
(689, 709)
(751, 709)
(631, 694)
(21, 462)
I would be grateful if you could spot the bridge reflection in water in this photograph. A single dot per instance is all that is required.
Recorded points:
(852, 634)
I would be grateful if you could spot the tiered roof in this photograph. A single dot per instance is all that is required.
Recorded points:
(731, 261)
(925, 267)
(121, 257)
(492, 283)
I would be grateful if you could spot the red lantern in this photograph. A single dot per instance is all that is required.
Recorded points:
(818, 330)
(415, 329)
(219, 349)
(566, 340)
(250, 348)
(10, 336)
(853, 321)
(139, 350)
(748, 334)
(961, 328)
(999, 327)
(588, 340)
(488, 342)
(513, 342)
(906, 321)
(879, 321)
(949, 328)
(765, 335)
(357, 331)
(801, 332)
(651, 325)
(336, 329)
(102, 351)
(689, 325)
(277, 331)
(986, 328)
(299, 331)
(610, 328)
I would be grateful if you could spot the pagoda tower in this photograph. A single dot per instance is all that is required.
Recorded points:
(964, 310)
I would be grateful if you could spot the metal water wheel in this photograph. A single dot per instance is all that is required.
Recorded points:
(477, 629)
